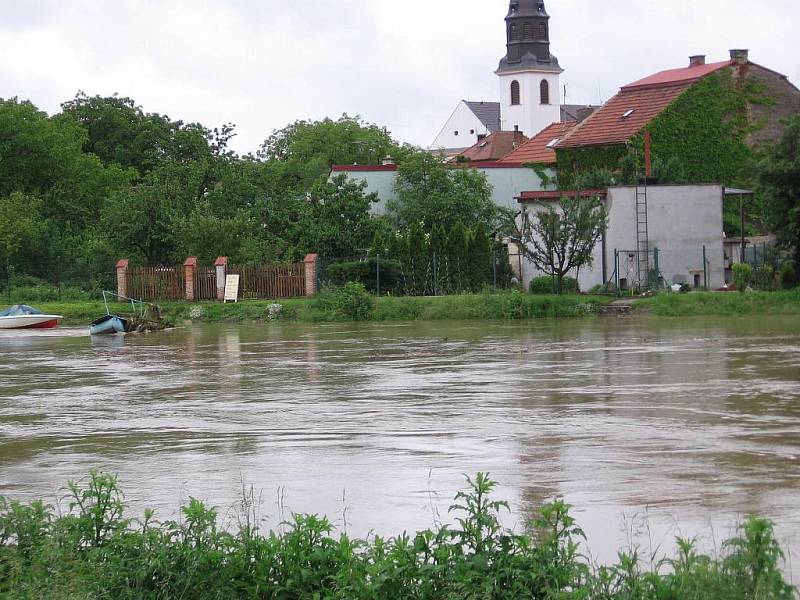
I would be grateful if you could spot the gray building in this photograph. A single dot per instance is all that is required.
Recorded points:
(684, 228)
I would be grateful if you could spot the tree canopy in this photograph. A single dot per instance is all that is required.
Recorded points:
(430, 193)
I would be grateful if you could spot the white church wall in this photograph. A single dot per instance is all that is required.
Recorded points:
(461, 130)
(530, 115)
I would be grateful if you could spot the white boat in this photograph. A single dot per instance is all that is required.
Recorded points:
(21, 316)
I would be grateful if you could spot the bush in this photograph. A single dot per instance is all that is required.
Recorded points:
(352, 302)
(742, 274)
(546, 285)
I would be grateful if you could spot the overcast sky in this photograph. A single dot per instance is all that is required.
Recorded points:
(402, 64)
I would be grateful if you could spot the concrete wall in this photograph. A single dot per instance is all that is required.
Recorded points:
(681, 220)
(507, 184)
(461, 130)
(531, 116)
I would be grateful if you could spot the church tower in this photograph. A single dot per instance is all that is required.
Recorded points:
(530, 81)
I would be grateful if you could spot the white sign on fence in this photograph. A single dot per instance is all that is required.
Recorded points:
(232, 288)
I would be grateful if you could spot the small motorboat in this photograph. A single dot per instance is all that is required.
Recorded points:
(21, 316)
(108, 324)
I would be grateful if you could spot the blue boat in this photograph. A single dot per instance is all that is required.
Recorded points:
(108, 324)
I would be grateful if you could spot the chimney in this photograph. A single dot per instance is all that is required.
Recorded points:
(740, 57)
(697, 60)
(387, 161)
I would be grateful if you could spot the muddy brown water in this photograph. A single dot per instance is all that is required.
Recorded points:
(650, 428)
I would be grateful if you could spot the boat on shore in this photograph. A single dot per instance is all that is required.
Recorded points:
(143, 318)
(108, 324)
(21, 316)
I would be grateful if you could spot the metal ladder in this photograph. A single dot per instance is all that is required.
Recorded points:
(642, 241)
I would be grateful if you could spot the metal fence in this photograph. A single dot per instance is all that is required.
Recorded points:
(656, 269)
(421, 275)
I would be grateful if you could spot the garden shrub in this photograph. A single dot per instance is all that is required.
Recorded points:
(742, 274)
(350, 302)
(546, 285)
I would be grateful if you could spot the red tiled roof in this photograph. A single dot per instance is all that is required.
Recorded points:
(554, 195)
(636, 104)
(494, 146)
(539, 149)
(683, 75)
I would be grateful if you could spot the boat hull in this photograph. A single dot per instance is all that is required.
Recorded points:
(108, 325)
(30, 322)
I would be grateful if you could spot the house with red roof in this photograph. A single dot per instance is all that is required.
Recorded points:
(493, 147)
(541, 148)
(705, 122)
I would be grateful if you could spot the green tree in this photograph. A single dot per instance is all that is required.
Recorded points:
(779, 186)
(18, 214)
(338, 221)
(298, 155)
(431, 193)
(560, 239)
(118, 131)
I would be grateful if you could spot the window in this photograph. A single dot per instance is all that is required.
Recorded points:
(455, 133)
(472, 132)
(514, 33)
(553, 143)
(544, 92)
(628, 113)
(527, 31)
(541, 30)
(515, 99)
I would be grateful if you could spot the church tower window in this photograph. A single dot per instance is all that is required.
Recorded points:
(515, 99)
(514, 35)
(544, 91)
(527, 31)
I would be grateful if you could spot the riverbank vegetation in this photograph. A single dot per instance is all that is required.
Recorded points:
(93, 548)
(721, 304)
(352, 303)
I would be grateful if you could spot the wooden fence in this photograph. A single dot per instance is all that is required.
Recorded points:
(156, 283)
(205, 283)
(270, 281)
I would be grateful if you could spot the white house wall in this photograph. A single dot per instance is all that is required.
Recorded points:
(461, 130)
(681, 221)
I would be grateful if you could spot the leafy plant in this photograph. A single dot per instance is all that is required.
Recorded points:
(742, 274)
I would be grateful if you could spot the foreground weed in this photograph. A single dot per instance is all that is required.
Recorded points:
(94, 551)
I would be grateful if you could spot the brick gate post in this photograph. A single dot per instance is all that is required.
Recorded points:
(221, 265)
(122, 277)
(311, 274)
(189, 270)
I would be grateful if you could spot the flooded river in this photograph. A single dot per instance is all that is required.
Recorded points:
(648, 427)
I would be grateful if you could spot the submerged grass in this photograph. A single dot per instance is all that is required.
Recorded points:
(722, 303)
(95, 550)
(490, 306)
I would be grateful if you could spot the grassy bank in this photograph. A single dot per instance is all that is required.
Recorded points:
(722, 303)
(93, 549)
(510, 305)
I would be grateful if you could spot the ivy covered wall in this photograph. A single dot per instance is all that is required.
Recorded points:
(700, 138)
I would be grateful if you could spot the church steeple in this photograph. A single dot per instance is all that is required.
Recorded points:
(528, 38)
